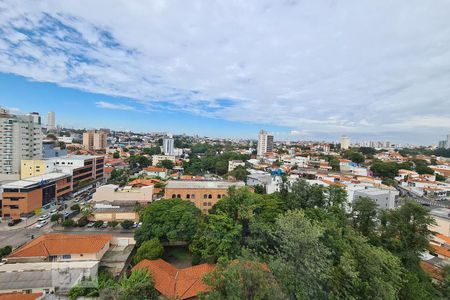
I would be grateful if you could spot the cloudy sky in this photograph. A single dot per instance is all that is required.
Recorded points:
(312, 69)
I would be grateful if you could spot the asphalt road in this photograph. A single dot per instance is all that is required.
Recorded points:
(17, 236)
(427, 203)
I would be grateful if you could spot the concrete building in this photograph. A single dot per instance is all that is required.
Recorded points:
(157, 158)
(111, 193)
(21, 198)
(51, 124)
(204, 194)
(50, 150)
(36, 167)
(168, 146)
(95, 140)
(20, 138)
(448, 141)
(385, 198)
(265, 143)
(442, 218)
(233, 164)
(345, 142)
(156, 172)
(109, 212)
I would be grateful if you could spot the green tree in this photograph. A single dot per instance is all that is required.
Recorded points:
(139, 285)
(166, 163)
(126, 224)
(169, 220)
(152, 151)
(364, 215)
(151, 249)
(113, 224)
(218, 237)
(301, 261)
(424, 170)
(116, 154)
(385, 169)
(242, 279)
(354, 156)
(5, 251)
(55, 218)
(68, 223)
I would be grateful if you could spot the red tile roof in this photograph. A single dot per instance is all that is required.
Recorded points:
(155, 169)
(20, 296)
(144, 182)
(177, 283)
(59, 244)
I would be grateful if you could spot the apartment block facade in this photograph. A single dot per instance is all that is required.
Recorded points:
(20, 138)
(94, 140)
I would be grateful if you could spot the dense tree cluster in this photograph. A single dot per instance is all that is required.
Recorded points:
(211, 162)
(301, 243)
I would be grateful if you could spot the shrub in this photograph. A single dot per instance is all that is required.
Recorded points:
(151, 249)
(55, 217)
(68, 223)
(83, 221)
(97, 224)
(75, 207)
(113, 224)
(5, 251)
(126, 224)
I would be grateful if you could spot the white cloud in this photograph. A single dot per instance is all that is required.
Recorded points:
(325, 67)
(108, 105)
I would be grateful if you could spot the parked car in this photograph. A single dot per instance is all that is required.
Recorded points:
(53, 211)
(61, 208)
(105, 224)
(14, 222)
(43, 217)
(135, 225)
(41, 224)
(66, 214)
(90, 225)
(139, 224)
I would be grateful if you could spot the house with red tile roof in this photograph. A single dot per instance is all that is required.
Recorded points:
(21, 296)
(176, 283)
(58, 247)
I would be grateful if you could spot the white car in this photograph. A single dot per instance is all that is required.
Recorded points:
(53, 211)
(43, 217)
(41, 224)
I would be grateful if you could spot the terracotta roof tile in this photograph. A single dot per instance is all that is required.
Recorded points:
(20, 296)
(58, 244)
(177, 283)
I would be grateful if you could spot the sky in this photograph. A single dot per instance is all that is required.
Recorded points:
(303, 70)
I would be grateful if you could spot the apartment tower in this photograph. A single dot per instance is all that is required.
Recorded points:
(265, 143)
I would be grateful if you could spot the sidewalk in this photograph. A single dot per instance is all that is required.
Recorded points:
(24, 224)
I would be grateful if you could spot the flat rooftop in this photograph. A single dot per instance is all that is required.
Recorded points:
(441, 212)
(198, 184)
(76, 157)
(28, 182)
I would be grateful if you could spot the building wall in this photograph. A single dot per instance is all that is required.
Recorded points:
(64, 186)
(20, 138)
(204, 199)
(35, 167)
(157, 158)
(116, 216)
(27, 202)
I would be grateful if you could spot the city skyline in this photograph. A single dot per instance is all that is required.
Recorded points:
(382, 76)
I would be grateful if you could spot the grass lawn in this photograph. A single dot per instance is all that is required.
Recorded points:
(179, 256)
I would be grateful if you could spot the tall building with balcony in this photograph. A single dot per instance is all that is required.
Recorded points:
(20, 138)
(51, 124)
(168, 145)
(265, 143)
(345, 142)
(95, 140)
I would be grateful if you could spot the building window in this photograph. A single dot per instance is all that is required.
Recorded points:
(174, 196)
(179, 196)
(209, 203)
(67, 256)
(205, 196)
(204, 203)
(219, 196)
(209, 196)
(188, 196)
(192, 196)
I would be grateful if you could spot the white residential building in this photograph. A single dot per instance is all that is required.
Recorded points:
(20, 138)
(51, 125)
(233, 164)
(345, 142)
(168, 146)
(157, 158)
(265, 143)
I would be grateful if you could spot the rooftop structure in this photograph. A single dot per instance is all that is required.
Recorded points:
(177, 283)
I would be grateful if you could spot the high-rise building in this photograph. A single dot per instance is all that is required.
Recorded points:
(345, 142)
(20, 138)
(265, 143)
(168, 145)
(94, 140)
(448, 141)
(442, 144)
(51, 125)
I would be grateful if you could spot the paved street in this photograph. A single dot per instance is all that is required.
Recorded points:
(429, 204)
(24, 231)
